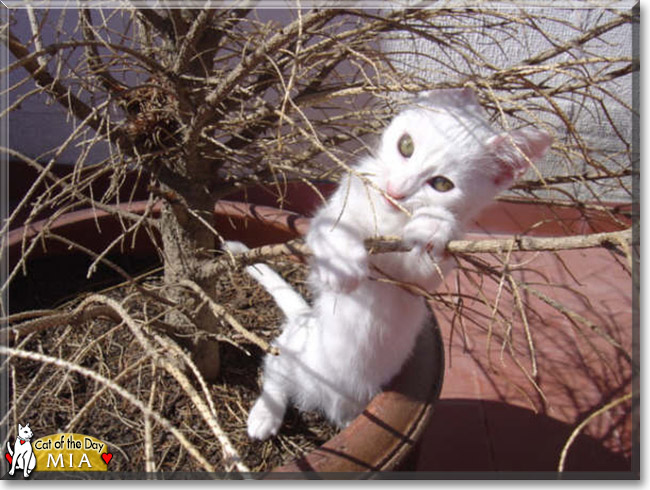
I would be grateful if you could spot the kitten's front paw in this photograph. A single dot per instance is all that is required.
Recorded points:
(340, 275)
(263, 421)
(340, 266)
(429, 232)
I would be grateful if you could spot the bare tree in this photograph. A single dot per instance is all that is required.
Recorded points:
(193, 104)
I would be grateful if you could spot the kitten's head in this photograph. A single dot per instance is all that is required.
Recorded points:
(442, 151)
(25, 433)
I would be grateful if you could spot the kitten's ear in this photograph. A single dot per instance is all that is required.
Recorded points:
(19, 426)
(514, 151)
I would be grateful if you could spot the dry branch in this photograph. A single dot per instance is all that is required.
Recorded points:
(609, 240)
(77, 317)
(220, 312)
(276, 43)
(61, 93)
(542, 244)
(576, 432)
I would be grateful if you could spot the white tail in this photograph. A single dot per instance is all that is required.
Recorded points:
(287, 298)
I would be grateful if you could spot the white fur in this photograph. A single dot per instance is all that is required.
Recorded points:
(22, 454)
(336, 355)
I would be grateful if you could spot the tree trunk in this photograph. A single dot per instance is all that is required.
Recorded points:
(188, 243)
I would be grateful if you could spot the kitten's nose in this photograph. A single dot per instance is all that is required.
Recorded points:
(392, 193)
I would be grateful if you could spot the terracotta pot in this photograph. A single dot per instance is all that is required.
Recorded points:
(383, 435)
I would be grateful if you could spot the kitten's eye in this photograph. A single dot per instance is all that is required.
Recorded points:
(441, 184)
(405, 145)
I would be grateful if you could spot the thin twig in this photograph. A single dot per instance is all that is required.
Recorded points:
(576, 432)
(220, 312)
(150, 462)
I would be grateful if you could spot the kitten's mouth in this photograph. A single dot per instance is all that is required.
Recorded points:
(392, 204)
(393, 199)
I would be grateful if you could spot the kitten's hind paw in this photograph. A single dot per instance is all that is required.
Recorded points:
(264, 420)
(235, 247)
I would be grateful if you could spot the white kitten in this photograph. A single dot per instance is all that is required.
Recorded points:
(441, 161)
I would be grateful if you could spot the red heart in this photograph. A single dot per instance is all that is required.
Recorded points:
(22, 442)
(107, 457)
(9, 458)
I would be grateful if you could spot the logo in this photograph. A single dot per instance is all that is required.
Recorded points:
(57, 452)
(22, 455)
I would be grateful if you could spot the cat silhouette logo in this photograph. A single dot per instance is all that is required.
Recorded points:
(22, 455)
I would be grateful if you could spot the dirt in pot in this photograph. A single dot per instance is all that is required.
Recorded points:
(56, 398)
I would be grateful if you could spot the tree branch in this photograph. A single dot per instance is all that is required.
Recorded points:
(287, 35)
(43, 78)
(92, 54)
(542, 244)
(220, 312)
(297, 247)
(162, 24)
(579, 41)
(188, 45)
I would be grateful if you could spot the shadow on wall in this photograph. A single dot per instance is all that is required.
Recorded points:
(517, 440)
